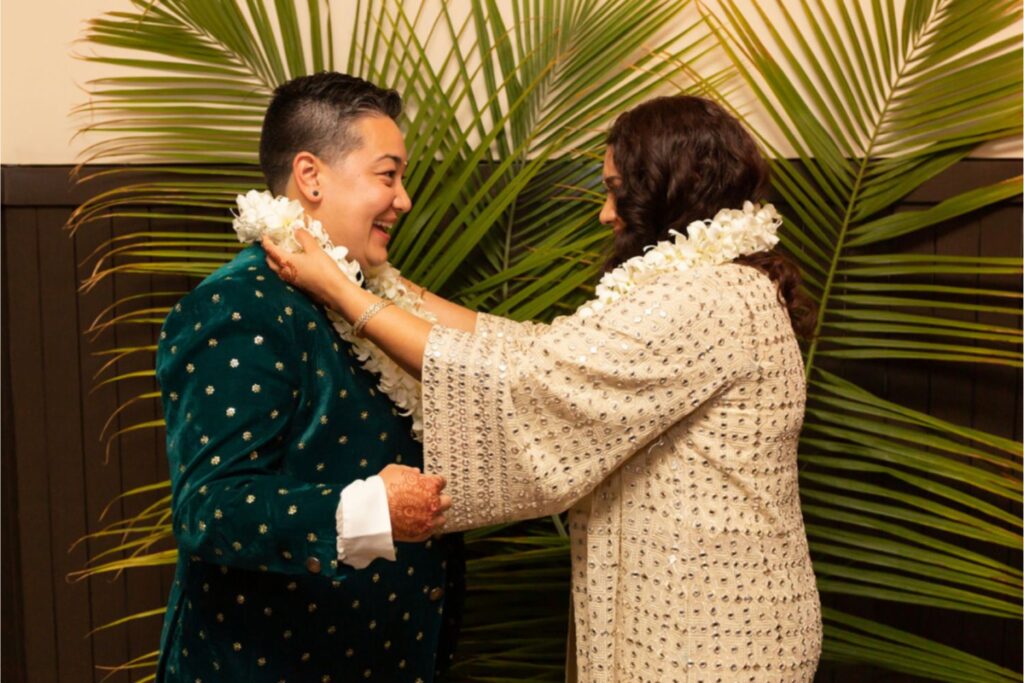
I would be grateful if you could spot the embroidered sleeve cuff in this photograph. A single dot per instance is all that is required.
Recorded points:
(364, 523)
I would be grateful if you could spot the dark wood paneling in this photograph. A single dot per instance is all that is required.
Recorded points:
(21, 262)
(62, 415)
(102, 476)
(963, 176)
(140, 453)
(52, 186)
(56, 482)
(997, 393)
(11, 604)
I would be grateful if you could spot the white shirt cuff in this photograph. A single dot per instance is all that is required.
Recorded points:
(364, 523)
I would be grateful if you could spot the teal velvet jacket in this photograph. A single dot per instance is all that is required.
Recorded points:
(269, 417)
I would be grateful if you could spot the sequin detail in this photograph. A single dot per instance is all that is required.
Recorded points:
(668, 423)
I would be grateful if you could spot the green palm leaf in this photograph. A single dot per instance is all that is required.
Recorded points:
(874, 105)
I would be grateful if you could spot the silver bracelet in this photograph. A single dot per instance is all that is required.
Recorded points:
(374, 309)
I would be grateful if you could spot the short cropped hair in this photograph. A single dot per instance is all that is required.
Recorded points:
(316, 114)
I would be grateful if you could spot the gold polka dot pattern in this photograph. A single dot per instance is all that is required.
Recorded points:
(265, 428)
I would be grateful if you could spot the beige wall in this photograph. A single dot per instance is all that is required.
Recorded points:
(41, 80)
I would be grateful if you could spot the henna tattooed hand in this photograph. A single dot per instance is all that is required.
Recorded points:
(415, 502)
(311, 269)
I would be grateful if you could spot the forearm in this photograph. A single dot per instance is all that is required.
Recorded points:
(448, 313)
(400, 334)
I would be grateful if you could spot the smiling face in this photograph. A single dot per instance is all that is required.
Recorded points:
(612, 182)
(360, 195)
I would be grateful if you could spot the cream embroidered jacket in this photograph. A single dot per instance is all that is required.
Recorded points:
(668, 423)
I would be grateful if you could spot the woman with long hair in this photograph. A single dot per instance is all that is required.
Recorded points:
(664, 414)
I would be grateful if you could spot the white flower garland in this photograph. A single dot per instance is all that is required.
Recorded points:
(261, 213)
(731, 233)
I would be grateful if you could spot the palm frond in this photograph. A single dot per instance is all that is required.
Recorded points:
(874, 106)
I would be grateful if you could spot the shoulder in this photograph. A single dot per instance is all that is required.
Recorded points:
(243, 289)
(708, 283)
(679, 309)
(705, 291)
(246, 281)
(242, 299)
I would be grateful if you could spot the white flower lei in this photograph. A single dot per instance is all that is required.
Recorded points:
(261, 213)
(731, 233)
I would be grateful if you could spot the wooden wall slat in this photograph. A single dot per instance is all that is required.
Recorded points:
(1001, 396)
(62, 409)
(12, 614)
(102, 477)
(953, 389)
(142, 461)
(965, 175)
(30, 429)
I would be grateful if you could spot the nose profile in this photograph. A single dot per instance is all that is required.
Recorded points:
(607, 215)
(402, 203)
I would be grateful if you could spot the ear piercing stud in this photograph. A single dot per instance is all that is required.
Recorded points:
(316, 193)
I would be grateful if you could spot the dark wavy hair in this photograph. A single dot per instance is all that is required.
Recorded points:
(682, 159)
(315, 114)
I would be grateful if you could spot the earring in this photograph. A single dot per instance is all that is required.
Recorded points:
(316, 193)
